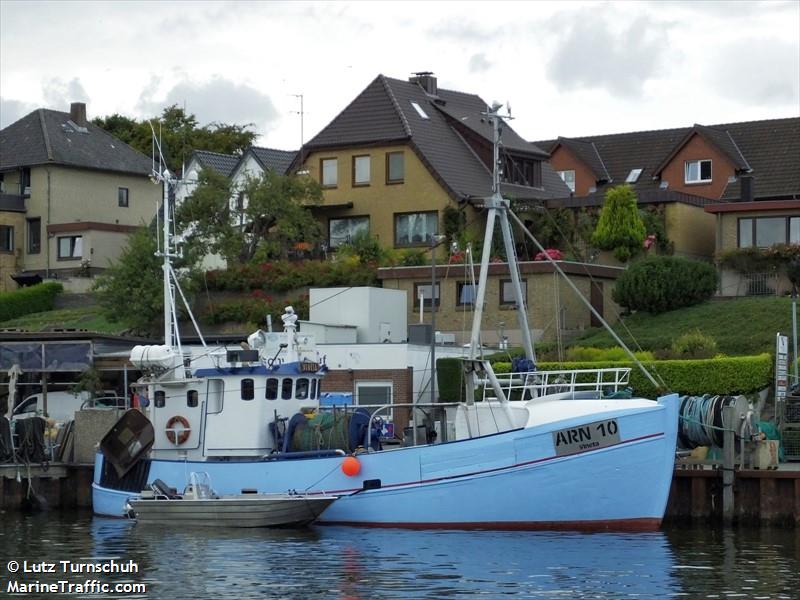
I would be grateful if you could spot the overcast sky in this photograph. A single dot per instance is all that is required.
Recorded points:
(567, 68)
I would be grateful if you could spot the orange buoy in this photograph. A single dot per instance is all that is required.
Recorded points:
(351, 466)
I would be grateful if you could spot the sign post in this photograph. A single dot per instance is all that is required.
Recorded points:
(781, 374)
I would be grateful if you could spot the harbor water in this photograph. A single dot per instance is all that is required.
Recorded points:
(360, 563)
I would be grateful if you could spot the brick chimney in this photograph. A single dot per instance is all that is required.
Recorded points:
(77, 113)
(746, 188)
(426, 80)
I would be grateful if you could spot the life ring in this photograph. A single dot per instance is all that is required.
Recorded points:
(178, 436)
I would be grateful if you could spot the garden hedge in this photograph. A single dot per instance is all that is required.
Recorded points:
(27, 300)
(725, 376)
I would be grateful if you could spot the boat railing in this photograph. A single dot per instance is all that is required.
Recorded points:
(534, 384)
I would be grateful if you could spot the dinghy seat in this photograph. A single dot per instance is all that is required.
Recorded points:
(163, 489)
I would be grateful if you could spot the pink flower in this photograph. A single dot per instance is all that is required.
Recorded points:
(553, 253)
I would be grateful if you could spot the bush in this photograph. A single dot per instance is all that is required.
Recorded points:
(661, 283)
(695, 344)
(615, 354)
(254, 310)
(727, 375)
(450, 379)
(28, 300)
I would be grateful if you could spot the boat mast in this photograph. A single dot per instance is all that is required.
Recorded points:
(498, 208)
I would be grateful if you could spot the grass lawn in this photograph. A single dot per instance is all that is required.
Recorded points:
(68, 318)
(741, 326)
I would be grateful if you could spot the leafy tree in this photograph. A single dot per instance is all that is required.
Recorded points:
(130, 290)
(180, 134)
(620, 228)
(270, 214)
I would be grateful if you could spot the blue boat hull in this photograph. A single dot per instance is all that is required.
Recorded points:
(510, 480)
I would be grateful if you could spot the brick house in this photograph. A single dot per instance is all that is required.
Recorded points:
(403, 151)
(680, 172)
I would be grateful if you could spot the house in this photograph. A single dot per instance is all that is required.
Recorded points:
(402, 152)
(554, 310)
(71, 194)
(252, 163)
(680, 172)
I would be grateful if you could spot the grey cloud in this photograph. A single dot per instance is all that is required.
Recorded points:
(478, 63)
(13, 110)
(58, 94)
(760, 71)
(217, 100)
(591, 55)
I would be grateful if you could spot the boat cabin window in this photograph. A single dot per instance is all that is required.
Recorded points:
(313, 389)
(160, 399)
(301, 390)
(191, 398)
(272, 389)
(286, 388)
(248, 389)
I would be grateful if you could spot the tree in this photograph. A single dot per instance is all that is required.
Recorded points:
(620, 228)
(268, 216)
(180, 135)
(130, 291)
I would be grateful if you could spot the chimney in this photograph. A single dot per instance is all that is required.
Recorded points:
(746, 188)
(77, 113)
(426, 80)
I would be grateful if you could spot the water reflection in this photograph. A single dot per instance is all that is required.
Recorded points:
(352, 563)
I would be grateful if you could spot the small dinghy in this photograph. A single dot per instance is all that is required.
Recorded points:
(199, 505)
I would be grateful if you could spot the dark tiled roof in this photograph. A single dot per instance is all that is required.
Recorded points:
(770, 149)
(274, 160)
(384, 113)
(588, 154)
(645, 197)
(45, 136)
(224, 164)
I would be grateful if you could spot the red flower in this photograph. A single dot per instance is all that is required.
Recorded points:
(553, 253)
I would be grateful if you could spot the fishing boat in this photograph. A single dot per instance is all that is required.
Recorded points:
(532, 449)
(200, 506)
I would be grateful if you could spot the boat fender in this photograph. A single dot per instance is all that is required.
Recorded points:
(180, 435)
(351, 466)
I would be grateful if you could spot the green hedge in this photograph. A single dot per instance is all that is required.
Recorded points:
(27, 300)
(730, 375)
(449, 379)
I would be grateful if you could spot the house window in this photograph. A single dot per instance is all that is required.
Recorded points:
(6, 238)
(122, 197)
(330, 172)
(373, 393)
(633, 176)
(522, 171)
(248, 389)
(361, 170)
(698, 171)
(763, 232)
(568, 177)
(420, 111)
(415, 229)
(507, 292)
(272, 389)
(342, 231)
(34, 236)
(395, 167)
(424, 290)
(466, 293)
(70, 247)
(26, 181)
